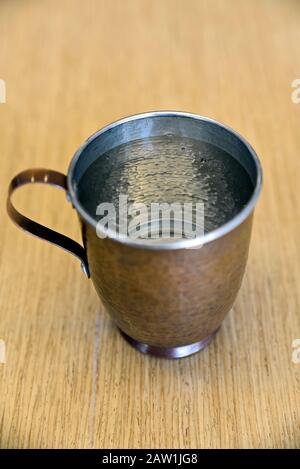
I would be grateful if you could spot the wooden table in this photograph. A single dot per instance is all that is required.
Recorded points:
(69, 379)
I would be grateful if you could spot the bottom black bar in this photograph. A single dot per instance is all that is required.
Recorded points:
(140, 457)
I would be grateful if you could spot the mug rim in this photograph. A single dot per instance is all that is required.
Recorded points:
(198, 241)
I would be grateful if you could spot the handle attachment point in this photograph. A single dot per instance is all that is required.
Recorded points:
(54, 178)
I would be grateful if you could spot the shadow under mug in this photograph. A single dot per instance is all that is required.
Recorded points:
(167, 299)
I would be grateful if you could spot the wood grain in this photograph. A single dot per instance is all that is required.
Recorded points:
(70, 67)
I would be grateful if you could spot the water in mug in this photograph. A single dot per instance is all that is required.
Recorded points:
(168, 169)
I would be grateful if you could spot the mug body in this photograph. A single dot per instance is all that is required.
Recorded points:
(168, 302)
(167, 298)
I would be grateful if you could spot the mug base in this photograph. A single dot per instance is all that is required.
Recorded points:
(169, 352)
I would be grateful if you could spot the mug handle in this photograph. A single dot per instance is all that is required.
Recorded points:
(54, 178)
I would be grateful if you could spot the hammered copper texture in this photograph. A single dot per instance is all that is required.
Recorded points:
(168, 298)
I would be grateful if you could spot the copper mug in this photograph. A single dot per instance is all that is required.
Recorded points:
(167, 299)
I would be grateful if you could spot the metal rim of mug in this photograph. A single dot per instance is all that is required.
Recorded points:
(178, 243)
